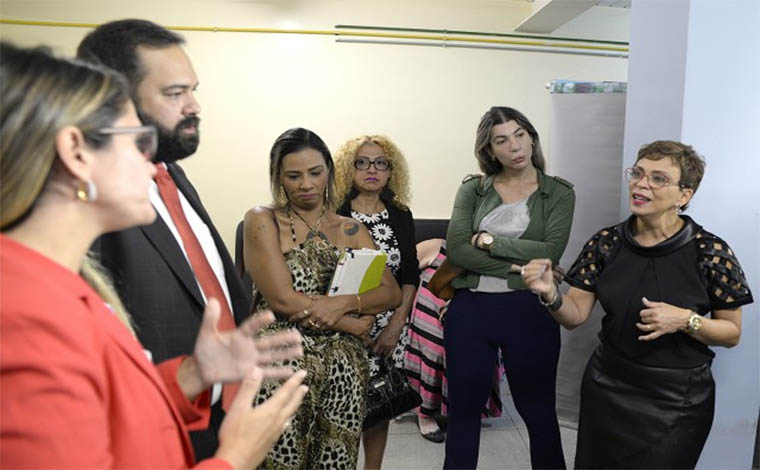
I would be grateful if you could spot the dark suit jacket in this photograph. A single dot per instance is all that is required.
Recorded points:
(159, 289)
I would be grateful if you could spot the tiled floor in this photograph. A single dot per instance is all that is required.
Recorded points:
(503, 443)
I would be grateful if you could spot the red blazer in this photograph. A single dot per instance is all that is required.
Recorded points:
(76, 389)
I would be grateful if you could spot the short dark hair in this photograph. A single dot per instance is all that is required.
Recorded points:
(691, 164)
(292, 141)
(114, 45)
(500, 115)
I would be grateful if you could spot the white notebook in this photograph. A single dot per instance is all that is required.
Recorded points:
(358, 271)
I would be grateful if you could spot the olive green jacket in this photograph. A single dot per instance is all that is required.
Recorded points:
(551, 209)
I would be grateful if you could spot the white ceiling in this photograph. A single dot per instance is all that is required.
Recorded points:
(549, 15)
(614, 3)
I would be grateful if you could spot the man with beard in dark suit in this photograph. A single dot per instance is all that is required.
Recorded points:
(166, 271)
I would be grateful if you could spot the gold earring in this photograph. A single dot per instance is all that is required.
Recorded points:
(282, 197)
(87, 191)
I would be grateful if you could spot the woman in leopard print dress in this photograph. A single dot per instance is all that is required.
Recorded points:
(291, 251)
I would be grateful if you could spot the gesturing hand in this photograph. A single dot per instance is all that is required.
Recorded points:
(539, 278)
(660, 318)
(247, 433)
(230, 356)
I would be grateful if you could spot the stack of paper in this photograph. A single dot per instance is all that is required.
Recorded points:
(358, 271)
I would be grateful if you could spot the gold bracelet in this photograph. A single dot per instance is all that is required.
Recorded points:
(359, 301)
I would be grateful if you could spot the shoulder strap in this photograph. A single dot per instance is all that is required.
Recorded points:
(274, 219)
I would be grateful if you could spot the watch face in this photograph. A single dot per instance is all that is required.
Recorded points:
(487, 239)
(695, 323)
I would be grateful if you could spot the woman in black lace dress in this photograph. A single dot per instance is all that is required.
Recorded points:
(669, 288)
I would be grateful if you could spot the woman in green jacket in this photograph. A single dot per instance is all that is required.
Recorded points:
(500, 221)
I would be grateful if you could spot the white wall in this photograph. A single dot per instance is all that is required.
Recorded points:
(254, 86)
(721, 118)
(692, 75)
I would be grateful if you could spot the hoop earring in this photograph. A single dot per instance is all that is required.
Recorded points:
(327, 196)
(679, 211)
(87, 191)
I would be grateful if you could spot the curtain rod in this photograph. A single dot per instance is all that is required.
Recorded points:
(479, 33)
(551, 43)
(484, 46)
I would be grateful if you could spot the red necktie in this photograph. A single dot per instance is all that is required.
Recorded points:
(202, 269)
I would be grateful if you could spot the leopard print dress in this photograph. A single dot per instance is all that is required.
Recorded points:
(326, 430)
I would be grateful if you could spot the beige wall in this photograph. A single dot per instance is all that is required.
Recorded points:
(254, 86)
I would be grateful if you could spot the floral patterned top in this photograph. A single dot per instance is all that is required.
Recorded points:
(382, 232)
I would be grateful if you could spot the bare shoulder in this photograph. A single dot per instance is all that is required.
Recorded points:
(259, 218)
(349, 226)
(352, 233)
(429, 247)
(258, 211)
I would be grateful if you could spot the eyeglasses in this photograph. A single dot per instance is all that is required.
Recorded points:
(146, 141)
(363, 163)
(656, 180)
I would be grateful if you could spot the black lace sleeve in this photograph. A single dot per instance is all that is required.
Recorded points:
(724, 278)
(590, 263)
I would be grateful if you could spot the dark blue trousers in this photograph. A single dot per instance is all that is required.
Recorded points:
(478, 325)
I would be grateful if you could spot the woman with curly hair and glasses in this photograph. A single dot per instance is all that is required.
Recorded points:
(372, 181)
(648, 396)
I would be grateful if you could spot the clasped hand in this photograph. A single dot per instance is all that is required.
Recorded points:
(324, 312)
(387, 340)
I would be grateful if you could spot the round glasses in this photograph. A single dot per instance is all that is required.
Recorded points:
(656, 179)
(363, 163)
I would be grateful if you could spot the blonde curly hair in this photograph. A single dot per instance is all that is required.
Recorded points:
(344, 169)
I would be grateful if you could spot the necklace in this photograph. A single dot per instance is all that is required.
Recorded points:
(313, 230)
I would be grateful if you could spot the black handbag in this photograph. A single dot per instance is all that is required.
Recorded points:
(388, 395)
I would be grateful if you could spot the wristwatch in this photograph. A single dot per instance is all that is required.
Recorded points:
(486, 240)
(694, 323)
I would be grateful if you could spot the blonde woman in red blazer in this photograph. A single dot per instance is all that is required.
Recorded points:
(77, 389)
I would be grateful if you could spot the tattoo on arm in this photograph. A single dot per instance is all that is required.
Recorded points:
(352, 229)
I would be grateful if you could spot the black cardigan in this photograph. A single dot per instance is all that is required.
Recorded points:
(403, 226)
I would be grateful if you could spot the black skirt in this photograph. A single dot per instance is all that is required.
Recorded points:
(636, 416)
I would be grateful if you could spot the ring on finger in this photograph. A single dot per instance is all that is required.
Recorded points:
(522, 271)
(306, 312)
